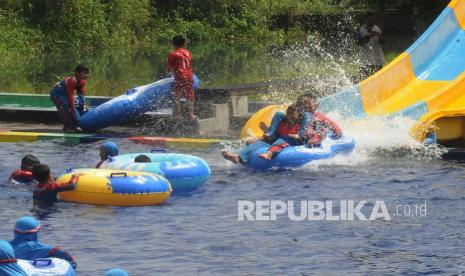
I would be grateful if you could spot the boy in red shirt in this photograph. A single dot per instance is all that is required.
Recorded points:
(62, 95)
(46, 191)
(180, 65)
(315, 125)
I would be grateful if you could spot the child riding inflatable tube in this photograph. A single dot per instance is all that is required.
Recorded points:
(296, 156)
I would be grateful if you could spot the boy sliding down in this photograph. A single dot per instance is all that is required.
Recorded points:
(313, 130)
(287, 133)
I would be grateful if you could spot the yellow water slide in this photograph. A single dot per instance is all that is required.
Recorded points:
(425, 83)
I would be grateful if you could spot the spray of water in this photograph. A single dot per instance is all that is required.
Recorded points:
(327, 69)
(379, 138)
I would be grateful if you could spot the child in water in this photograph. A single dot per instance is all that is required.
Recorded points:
(24, 175)
(8, 262)
(107, 150)
(26, 243)
(142, 159)
(46, 191)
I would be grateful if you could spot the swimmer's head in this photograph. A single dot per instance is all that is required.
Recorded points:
(41, 172)
(142, 159)
(108, 149)
(28, 162)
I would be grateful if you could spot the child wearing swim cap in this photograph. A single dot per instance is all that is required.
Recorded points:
(107, 150)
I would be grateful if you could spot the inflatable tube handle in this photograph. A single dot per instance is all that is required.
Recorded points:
(122, 174)
(42, 262)
(157, 150)
(68, 170)
(131, 91)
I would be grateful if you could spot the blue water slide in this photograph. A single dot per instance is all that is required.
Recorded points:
(130, 105)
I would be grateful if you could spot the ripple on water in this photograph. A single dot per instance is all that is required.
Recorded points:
(199, 233)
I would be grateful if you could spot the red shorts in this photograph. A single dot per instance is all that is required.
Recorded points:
(184, 89)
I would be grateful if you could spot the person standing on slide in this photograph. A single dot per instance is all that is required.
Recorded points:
(180, 65)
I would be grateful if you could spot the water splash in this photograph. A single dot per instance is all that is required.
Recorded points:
(379, 138)
(326, 67)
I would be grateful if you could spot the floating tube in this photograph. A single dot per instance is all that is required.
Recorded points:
(116, 188)
(185, 172)
(47, 267)
(297, 156)
(128, 106)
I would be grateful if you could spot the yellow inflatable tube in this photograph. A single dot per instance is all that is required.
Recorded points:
(115, 187)
(263, 116)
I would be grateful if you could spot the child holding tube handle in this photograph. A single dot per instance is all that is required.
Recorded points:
(46, 190)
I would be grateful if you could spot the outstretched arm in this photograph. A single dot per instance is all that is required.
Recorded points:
(333, 126)
(57, 252)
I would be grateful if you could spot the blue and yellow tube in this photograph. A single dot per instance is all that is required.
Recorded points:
(116, 188)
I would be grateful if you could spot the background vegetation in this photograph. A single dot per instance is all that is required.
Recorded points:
(39, 39)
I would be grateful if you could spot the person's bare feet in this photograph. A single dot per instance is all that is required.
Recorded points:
(267, 155)
(231, 156)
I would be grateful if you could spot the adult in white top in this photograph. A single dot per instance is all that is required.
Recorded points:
(371, 54)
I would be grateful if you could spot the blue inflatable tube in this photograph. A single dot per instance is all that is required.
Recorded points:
(184, 172)
(296, 156)
(47, 266)
(130, 105)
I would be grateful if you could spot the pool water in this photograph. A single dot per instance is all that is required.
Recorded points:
(199, 232)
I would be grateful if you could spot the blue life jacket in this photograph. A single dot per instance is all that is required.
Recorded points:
(8, 264)
(26, 245)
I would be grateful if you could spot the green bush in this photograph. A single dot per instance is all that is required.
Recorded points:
(19, 49)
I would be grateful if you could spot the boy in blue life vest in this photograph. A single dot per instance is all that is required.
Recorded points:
(62, 95)
(27, 246)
